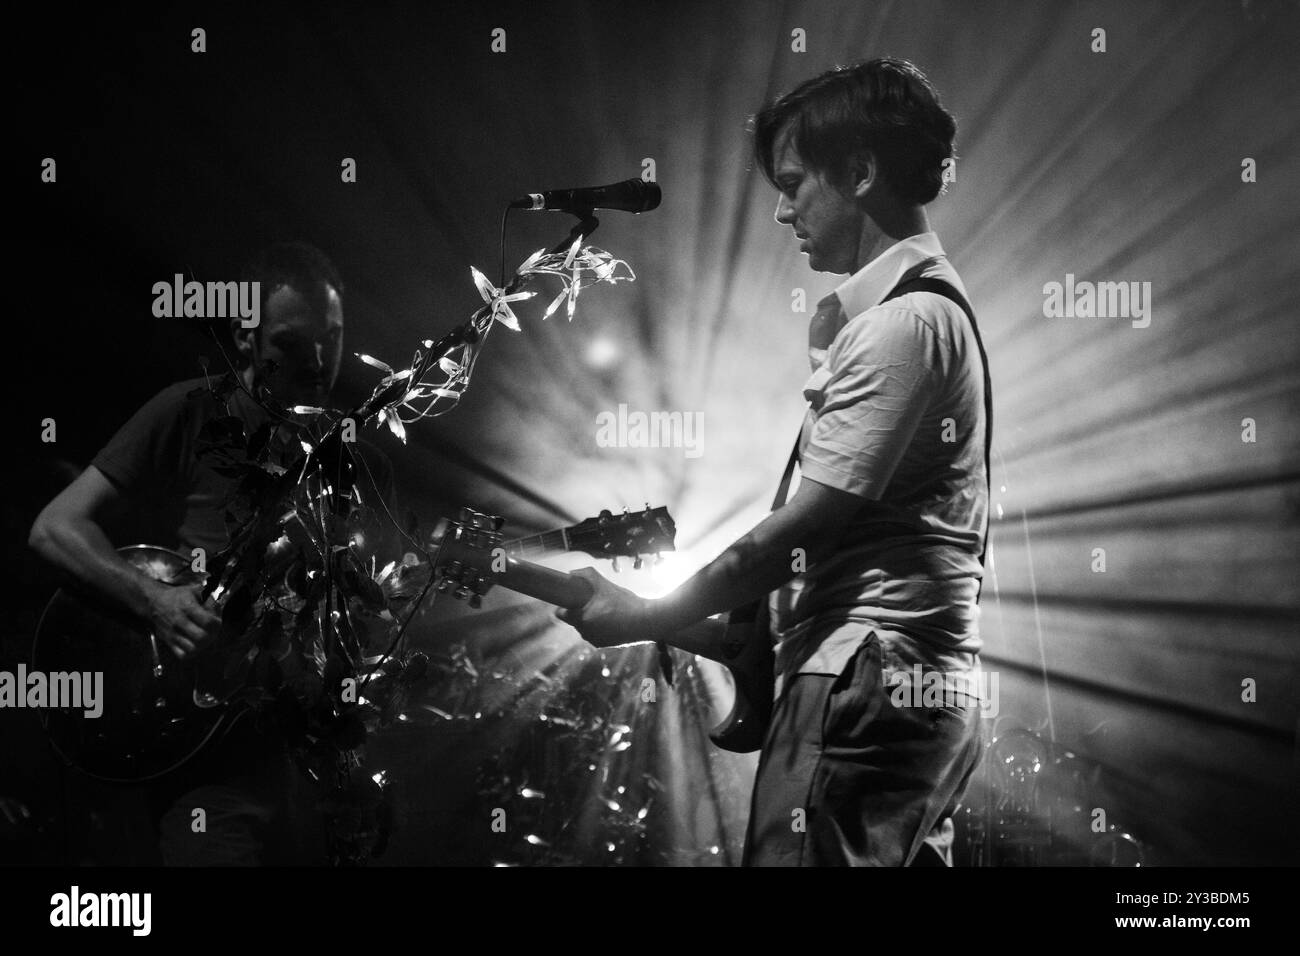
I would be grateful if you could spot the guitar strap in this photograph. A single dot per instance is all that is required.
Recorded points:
(945, 289)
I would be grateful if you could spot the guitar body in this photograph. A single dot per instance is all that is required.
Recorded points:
(740, 643)
(747, 653)
(157, 711)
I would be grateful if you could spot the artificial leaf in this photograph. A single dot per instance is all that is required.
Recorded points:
(485, 288)
(370, 360)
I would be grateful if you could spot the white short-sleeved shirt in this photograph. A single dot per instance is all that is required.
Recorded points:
(896, 415)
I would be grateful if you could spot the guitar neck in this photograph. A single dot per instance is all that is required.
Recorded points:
(407, 583)
(538, 545)
(545, 584)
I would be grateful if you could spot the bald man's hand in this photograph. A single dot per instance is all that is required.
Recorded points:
(180, 620)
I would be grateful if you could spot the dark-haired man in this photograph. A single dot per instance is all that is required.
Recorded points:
(891, 507)
(152, 469)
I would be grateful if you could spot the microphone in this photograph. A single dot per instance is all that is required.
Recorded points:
(631, 195)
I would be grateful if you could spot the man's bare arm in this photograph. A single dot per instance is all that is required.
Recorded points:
(69, 534)
(757, 563)
(764, 559)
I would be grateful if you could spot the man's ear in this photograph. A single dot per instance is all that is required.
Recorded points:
(244, 338)
(864, 174)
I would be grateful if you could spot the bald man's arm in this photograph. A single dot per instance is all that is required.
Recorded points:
(69, 533)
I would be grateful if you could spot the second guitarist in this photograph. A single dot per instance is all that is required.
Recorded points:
(154, 474)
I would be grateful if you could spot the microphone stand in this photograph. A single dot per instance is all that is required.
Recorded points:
(586, 225)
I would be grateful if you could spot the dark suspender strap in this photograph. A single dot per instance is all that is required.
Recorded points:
(784, 488)
(939, 287)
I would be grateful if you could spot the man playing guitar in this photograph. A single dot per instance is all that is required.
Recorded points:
(890, 515)
(153, 469)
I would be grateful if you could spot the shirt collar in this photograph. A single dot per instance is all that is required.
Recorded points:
(866, 289)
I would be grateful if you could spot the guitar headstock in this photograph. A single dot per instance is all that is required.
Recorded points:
(469, 552)
(629, 535)
(465, 554)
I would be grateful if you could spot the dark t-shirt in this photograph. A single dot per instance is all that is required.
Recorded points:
(177, 495)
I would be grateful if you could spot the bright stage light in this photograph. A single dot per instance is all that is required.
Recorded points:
(602, 353)
(676, 567)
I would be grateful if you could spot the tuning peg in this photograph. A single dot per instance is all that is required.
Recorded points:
(636, 565)
(616, 564)
(476, 601)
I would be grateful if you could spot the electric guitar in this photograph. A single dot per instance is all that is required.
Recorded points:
(469, 562)
(160, 711)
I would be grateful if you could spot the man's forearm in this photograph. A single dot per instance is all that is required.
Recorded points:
(81, 548)
(761, 561)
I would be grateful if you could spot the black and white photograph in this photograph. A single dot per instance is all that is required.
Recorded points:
(737, 434)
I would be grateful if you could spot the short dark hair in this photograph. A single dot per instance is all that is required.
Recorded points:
(887, 106)
(299, 265)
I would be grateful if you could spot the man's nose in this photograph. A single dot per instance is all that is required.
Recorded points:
(784, 210)
(316, 356)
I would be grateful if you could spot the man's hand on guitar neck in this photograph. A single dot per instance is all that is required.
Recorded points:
(813, 521)
(613, 616)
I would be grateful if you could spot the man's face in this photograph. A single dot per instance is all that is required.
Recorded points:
(825, 218)
(303, 336)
